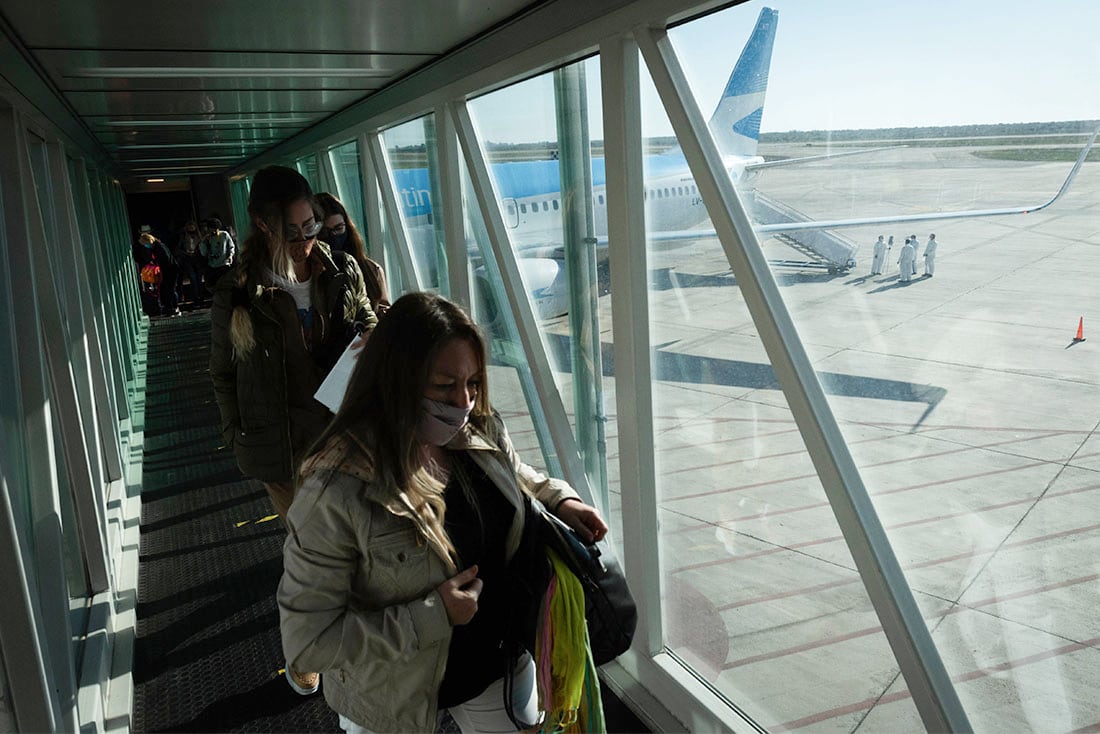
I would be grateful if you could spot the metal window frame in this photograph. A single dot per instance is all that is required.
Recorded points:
(46, 593)
(410, 271)
(561, 433)
(914, 650)
(459, 273)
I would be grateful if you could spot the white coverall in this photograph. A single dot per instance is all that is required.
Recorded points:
(930, 257)
(906, 262)
(879, 256)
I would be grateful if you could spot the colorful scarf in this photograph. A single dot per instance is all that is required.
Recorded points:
(568, 689)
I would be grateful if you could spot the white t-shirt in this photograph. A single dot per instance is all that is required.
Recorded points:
(303, 301)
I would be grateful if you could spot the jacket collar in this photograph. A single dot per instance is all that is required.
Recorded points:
(469, 438)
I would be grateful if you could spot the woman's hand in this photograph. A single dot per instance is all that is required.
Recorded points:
(359, 342)
(459, 594)
(584, 519)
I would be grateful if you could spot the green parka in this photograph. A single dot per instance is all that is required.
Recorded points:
(265, 393)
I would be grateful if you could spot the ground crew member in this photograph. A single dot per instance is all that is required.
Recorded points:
(879, 256)
(906, 262)
(930, 256)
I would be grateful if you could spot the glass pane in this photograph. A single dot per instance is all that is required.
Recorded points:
(512, 388)
(239, 191)
(307, 166)
(969, 414)
(761, 598)
(536, 136)
(76, 575)
(349, 185)
(407, 151)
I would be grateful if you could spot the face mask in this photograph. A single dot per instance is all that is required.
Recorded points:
(147, 245)
(337, 241)
(439, 422)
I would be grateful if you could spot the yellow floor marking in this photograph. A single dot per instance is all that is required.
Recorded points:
(268, 518)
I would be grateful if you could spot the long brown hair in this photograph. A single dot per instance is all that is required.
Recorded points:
(382, 406)
(355, 246)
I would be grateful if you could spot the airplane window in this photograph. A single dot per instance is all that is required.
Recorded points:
(600, 197)
(522, 208)
(555, 203)
(545, 206)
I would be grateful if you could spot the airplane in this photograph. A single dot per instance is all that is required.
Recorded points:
(530, 193)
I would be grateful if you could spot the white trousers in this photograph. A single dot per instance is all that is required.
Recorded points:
(485, 714)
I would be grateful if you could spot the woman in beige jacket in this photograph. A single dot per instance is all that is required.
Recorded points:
(409, 509)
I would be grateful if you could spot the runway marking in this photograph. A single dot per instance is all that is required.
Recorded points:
(801, 450)
(962, 678)
(743, 487)
(957, 608)
(924, 564)
(908, 523)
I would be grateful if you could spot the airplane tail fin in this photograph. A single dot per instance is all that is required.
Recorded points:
(735, 124)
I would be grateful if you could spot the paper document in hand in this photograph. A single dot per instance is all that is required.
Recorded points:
(331, 392)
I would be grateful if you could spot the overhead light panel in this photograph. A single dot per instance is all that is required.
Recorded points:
(220, 122)
(154, 180)
(211, 72)
(238, 144)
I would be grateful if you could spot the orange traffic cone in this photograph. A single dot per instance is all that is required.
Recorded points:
(1080, 330)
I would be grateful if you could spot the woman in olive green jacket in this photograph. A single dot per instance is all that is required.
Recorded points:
(280, 320)
(396, 578)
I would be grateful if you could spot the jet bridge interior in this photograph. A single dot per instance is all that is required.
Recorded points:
(726, 447)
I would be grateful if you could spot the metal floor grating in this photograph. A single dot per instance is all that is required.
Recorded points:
(207, 652)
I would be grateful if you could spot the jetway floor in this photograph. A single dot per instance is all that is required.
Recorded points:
(207, 653)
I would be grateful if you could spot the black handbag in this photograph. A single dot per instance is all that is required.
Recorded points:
(609, 607)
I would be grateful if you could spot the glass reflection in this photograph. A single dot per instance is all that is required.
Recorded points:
(969, 416)
(544, 168)
(409, 149)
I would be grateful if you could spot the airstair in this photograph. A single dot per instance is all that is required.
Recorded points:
(824, 249)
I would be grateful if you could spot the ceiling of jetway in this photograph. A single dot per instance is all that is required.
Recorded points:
(174, 88)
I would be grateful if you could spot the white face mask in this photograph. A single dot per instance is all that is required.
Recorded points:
(439, 422)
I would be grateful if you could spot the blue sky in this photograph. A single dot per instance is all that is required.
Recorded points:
(862, 64)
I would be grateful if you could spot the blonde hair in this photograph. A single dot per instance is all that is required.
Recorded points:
(274, 188)
(147, 239)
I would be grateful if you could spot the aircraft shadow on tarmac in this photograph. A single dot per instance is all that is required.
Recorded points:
(693, 369)
(666, 279)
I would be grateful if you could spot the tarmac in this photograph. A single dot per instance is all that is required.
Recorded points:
(969, 409)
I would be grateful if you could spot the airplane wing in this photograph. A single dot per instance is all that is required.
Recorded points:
(824, 156)
(816, 224)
